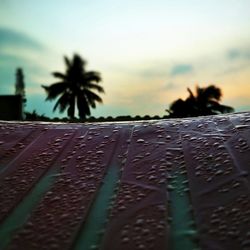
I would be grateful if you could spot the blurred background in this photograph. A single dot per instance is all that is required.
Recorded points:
(147, 52)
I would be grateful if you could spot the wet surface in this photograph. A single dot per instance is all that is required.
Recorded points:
(206, 160)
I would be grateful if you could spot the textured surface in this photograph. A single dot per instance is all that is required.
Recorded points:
(168, 184)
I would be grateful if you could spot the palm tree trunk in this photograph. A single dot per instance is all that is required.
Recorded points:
(71, 109)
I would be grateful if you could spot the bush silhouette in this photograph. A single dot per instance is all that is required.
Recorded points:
(205, 101)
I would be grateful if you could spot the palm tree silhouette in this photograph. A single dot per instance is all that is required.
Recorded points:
(204, 102)
(75, 87)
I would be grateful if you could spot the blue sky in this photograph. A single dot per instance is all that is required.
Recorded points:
(148, 52)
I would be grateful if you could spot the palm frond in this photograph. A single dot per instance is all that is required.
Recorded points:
(219, 108)
(92, 97)
(227, 109)
(67, 62)
(59, 75)
(92, 76)
(54, 90)
(191, 95)
(94, 86)
(62, 103)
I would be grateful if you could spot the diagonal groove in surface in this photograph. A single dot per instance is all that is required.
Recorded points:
(89, 235)
(19, 215)
(183, 232)
(23, 174)
(20, 154)
(138, 209)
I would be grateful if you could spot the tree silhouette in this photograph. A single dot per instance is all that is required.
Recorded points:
(204, 102)
(75, 87)
(20, 85)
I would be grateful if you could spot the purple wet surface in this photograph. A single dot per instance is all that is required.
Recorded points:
(213, 151)
(218, 172)
(82, 168)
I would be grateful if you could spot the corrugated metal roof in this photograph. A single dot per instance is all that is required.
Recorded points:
(169, 184)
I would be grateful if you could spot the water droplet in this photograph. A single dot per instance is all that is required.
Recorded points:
(140, 141)
(125, 240)
(100, 152)
(219, 172)
(139, 222)
(141, 246)
(193, 138)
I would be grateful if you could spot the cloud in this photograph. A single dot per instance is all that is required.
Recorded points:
(234, 61)
(239, 53)
(233, 69)
(19, 50)
(8, 66)
(181, 69)
(154, 72)
(9, 60)
(233, 54)
(142, 69)
(169, 86)
(10, 38)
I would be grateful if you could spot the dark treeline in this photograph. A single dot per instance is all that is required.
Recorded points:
(79, 88)
(33, 116)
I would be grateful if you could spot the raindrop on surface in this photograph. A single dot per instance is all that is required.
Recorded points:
(236, 184)
(125, 240)
(139, 177)
(193, 139)
(140, 140)
(121, 208)
(94, 247)
(218, 172)
(124, 233)
(141, 246)
(146, 231)
(100, 152)
(139, 222)
(197, 173)
(170, 187)
(152, 177)
(81, 137)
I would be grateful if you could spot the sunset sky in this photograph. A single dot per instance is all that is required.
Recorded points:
(147, 51)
